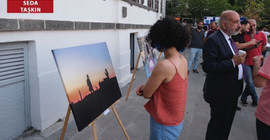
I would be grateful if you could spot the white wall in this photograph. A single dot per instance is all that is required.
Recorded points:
(88, 10)
(137, 15)
(48, 99)
(71, 10)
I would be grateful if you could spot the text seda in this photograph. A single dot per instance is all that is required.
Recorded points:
(30, 7)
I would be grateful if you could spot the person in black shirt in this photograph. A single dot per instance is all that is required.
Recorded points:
(240, 41)
(195, 46)
(239, 38)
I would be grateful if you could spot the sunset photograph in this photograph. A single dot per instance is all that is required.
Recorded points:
(89, 80)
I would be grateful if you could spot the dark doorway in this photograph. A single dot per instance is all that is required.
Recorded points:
(132, 36)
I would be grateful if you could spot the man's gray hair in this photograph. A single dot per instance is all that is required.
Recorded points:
(249, 20)
(224, 18)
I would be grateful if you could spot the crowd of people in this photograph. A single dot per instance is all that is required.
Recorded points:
(233, 53)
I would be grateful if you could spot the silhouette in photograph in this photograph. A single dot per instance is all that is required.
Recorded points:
(89, 80)
(89, 84)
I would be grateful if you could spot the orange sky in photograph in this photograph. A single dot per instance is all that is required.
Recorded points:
(84, 89)
(75, 63)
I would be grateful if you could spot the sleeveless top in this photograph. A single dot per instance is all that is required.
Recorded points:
(167, 105)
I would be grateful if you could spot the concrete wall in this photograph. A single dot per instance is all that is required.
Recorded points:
(48, 100)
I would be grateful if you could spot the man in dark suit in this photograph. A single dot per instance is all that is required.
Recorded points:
(224, 80)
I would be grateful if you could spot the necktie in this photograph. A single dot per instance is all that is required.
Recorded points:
(233, 45)
(235, 51)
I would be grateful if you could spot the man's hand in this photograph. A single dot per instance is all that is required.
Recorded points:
(264, 48)
(259, 81)
(239, 59)
(253, 42)
(255, 46)
(257, 60)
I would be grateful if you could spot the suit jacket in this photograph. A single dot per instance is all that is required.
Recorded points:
(221, 87)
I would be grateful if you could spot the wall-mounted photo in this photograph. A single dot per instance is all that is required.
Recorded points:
(148, 56)
(89, 80)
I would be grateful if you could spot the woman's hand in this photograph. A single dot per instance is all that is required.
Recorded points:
(139, 90)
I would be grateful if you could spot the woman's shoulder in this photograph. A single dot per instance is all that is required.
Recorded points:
(164, 66)
(164, 63)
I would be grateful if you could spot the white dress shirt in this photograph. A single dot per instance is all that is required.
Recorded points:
(240, 68)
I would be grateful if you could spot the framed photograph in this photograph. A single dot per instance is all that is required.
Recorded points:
(148, 56)
(89, 80)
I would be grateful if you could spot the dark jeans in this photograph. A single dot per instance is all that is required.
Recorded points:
(220, 124)
(263, 130)
(250, 87)
(263, 53)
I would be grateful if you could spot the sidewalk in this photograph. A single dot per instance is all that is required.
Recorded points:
(136, 120)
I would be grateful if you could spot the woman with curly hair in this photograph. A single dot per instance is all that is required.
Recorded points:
(167, 86)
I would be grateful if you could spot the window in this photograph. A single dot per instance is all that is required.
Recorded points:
(156, 4)
(150, 3)
(161, 6)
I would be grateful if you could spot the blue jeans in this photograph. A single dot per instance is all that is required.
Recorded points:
(182, 51)
(263, 130)
(250, 88)
(164, 132)
(194, 55)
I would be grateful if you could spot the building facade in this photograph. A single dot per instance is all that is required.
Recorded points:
(31, 91)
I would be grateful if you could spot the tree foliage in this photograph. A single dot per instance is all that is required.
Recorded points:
(197, 9)
(265, 15)
(253, 10)
(239, 6)
(176, 8)
(215, 7)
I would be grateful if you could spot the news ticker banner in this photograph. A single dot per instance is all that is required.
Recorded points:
(30, 6)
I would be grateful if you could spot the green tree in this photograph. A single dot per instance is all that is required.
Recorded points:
(239, 6)
(253, 10)
(196, 9)
(265, 15)
(215, 7)
(175, 8)
(200, 8)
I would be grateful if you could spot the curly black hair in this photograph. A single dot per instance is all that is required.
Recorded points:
(167, 33)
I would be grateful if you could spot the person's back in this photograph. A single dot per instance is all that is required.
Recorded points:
(167, 86)
(263, 109)
(168, 104)
(262, 79)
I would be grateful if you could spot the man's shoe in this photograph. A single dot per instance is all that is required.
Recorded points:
(254, 103)
(238, 108)
(195, 71)
(244, 103)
